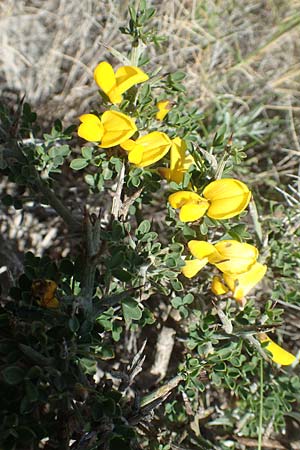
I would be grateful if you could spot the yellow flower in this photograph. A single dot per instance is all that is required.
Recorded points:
(203, 252)
(44, 293)
(230, 256)
(111, 129)
(241, 284)
(191, 205)
(163, 108)
(147, 149)
(234, 257)
(115, 84)
(179, 162)
(279, 355)
(222, 199)
(91, 129)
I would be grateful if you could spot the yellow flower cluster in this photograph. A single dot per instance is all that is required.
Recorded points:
(240, 272)
(115, 128)
(220, 199)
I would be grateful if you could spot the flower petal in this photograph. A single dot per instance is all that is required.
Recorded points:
(236, 257)
(178, 199)
(114, 96)
(91, 128)
(218, 287)
(202, 249)
(50, 303)
(118, 128)
(171, 175)
(128, 145)
(105, 77)
(279, 355)
(136, 155)
(192, 211)
(228, 198)
(128, 76)
(90, 118)
(155, 146)
(163, 108)
(193, 266)
(241, 284)
(177, 153)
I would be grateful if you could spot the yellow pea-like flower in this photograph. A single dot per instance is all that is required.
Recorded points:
(179, 162)
(44, 293)
(227, 197)
(111, 129)
(279, 355)
(193, 266)
(241, 284)
(221, 199)
(91, 129)
(192, 206)
(118, 127)
(163, 107)
(230, 257)
(147, 149)
(114, 84)
(234, 257)
(203, 253)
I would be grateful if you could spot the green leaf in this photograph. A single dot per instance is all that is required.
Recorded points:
(73, 324)
(131, 310)
(176, 302)
(58, 125)
(116, 260)
(178, 76)
(107, 352)
(31, 391)
(143, 228)
(151, 236)
(188, 299)
(87, 152)
(67, 267)
(89, 179)
(121, 274)
(79, 163)
(13, 375)
(62, 150)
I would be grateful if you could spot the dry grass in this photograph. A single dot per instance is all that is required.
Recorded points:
(234, 52)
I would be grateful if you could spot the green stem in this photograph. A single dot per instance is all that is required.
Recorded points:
(56, 204)
(93, 229)
(261, 404)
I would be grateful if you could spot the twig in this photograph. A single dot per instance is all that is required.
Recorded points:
(255, 219)
(161, 392)
(258, 347)
(268, 443)
(261, 404)
(164, 348)
(93, 228)
(117, 202)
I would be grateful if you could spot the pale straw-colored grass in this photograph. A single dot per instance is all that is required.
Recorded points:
(232, 51)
